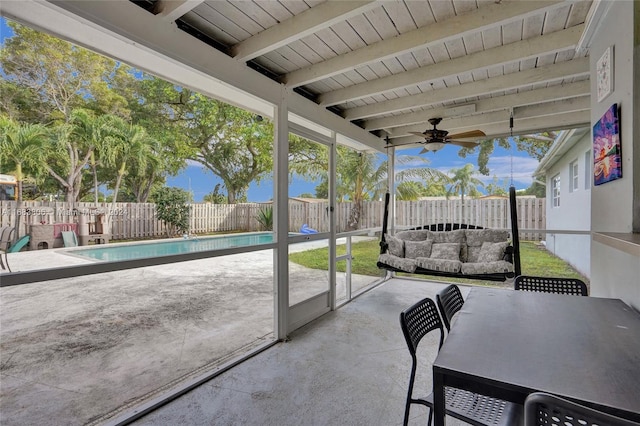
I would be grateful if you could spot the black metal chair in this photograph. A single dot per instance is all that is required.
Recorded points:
(449, 302)
(571, 286)
(479, 410)
(543, 409)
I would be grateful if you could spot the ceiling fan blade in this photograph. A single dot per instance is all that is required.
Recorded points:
(469, 134)
(424, 151)
(422, 135)
(465, 144)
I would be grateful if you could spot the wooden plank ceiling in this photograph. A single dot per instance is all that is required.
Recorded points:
(389, 66)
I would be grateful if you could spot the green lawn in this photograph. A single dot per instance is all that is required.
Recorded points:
(535, 260)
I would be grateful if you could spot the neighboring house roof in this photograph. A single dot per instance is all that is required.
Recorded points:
(563, 143)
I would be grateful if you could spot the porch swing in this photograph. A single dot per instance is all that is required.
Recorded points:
(456, 250)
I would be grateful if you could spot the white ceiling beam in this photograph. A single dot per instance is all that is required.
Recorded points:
(119, 28)
(523, 126)
(553, 93)
(456, 27)
(551, 72)
(170, 10)
(299, 26)
(481, 120)
(521, 50)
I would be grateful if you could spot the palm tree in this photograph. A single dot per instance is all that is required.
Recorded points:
(72, 145)
(463, 182)
(130, 145)
(362, 178)
(20, 144)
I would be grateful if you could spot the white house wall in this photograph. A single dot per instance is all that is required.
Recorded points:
(574, 212)
(614, 272)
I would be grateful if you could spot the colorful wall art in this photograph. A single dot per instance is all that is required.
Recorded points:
(607, 161)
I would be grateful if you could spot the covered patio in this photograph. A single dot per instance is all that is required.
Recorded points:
(368, 75)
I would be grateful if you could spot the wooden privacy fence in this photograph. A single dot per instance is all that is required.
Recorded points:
(138, 220)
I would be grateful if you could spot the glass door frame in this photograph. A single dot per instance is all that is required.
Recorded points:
(325, 301)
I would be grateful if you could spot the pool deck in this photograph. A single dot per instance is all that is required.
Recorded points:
(76, 349)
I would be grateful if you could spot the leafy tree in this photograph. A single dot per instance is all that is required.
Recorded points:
(215, 197)
(20, 146)
(131, 145)
(363, 176)
(497, 187)
(63, 76)
(534, 145)
(172, 208)
(537, 189)
(463, 182)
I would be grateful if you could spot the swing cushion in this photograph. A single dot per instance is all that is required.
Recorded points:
(492, 252)
(460, 251)
(405, 265)
(475, 238)
(447, 251)
(396, 245)
(441, 265)
(416, 249)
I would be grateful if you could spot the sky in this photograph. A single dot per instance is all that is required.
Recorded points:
(197, 179)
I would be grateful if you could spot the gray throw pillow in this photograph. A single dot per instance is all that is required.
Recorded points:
(448, 251)
(416, 249)
(395, 245)
(491, 252)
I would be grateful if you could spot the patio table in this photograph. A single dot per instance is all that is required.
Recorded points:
(508, 344)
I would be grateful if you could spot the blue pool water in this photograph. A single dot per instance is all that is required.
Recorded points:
(139, 251)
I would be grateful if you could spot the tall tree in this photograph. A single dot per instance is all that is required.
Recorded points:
(362, 176)
(535, 146)
(63, 76)
(71, 147)
(463, 182)
(129, 146)
(20, 146)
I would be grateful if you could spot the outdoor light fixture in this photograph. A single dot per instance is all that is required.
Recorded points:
(435, 146)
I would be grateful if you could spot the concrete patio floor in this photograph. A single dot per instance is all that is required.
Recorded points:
(72, 351)
(350, 367)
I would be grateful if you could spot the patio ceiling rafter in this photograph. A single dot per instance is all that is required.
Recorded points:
(549, 73)
(170, 10)
(530, 97)
(517, 51)
(299, 26)
(581, 103)
(422, 37)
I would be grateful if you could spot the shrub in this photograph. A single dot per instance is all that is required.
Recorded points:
(265, 218)
(172, 208)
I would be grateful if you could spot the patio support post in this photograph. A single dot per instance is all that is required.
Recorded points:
(332, 221)
(281, 215)
(391, 183)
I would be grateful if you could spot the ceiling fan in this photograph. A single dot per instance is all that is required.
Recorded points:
(435, 138)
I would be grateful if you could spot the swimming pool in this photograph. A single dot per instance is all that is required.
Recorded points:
(164, 248)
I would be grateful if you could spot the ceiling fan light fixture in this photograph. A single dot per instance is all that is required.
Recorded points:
(435, 146)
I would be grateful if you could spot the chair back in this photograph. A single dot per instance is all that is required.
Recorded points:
(449, 301)
(6, 237)
(418, 320)
(543, 409)
(571, 286)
